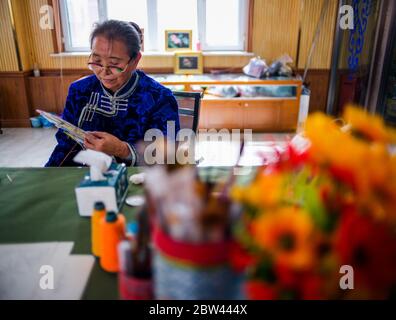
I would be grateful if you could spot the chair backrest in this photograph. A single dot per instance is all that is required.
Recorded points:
(189, 104)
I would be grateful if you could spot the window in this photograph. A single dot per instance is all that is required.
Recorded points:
(224, 26)
(216, 24)
(80, 16)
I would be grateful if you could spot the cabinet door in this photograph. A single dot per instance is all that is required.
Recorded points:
(261, 115)
(221, 113)
(270, 114)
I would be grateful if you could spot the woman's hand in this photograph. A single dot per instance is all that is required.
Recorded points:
(106, 143)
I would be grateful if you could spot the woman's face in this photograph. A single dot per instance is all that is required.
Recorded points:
(112, 53)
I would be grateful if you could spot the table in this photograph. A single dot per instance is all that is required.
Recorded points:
(38, 205)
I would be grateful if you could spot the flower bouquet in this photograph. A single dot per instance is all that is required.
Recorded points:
(320, 223)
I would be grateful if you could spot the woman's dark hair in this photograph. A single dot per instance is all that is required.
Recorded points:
(127, 32)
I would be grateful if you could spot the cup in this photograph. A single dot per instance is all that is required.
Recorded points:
(186, 271)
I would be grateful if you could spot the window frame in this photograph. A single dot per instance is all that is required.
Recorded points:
(152, 27)
(243, 28)
(64, 14)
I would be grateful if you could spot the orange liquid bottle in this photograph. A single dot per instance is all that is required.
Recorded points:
(112, 231)
(98, 214)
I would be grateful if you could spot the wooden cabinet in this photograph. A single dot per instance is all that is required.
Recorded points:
(219, 113)
(259, 113)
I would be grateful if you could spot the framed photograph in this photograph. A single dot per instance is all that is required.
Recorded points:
(188, 63)
(178, 40)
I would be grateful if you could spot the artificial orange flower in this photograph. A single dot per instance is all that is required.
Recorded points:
(301, 224)
(334, 148)
(286, 234)
(359, 164)
(265, 191)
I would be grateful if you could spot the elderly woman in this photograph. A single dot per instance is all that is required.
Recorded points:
(118, 103)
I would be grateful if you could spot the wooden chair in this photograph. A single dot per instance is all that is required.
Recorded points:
(189, 104)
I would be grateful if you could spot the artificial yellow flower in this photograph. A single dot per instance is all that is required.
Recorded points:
(370, 126)
(286, 233)
(365, 163)
(263, 192)
(331, 146)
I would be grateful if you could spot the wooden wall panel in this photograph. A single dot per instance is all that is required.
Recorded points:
(319, 83)
(310, 14)
(41, 40)
(13, 100)
(8, 56)
(275, 28)
(23, 33)
(49, 93)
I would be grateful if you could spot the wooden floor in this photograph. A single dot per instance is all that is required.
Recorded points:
(31, 147)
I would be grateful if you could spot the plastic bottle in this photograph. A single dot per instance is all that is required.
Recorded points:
(112, 231)
(98, 214)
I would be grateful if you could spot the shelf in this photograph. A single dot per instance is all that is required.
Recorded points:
(212, 97)
(223, 79)
(273, 111)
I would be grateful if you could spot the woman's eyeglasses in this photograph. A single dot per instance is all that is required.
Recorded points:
(98, 68)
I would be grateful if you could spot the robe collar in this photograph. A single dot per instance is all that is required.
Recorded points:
(126, 90)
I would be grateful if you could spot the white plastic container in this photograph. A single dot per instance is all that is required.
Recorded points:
(304, 109)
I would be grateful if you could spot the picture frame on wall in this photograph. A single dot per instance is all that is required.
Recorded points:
(188, 63)
(176, 40)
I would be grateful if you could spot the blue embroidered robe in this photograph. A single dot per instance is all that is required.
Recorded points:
(141, 104)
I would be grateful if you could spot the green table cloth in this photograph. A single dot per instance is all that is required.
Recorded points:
(39, 205)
